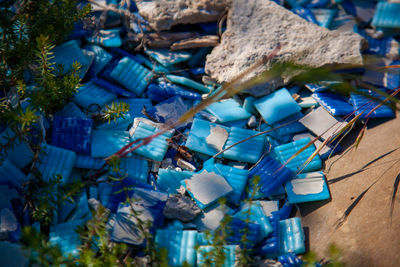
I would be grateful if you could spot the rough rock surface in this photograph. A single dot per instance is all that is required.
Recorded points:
(256, 27)
(163, 14)
(181, 208)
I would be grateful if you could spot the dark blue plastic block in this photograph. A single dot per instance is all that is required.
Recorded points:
(387, 16)
(272, 175)
(236, 228)
(72, 133)
(169, 111)
(389, 79)
(290, 260)
(164, 90)
(364, 10)
(112, 87)
(365, 105)
(93, 97)
(20, 154)
(13, 255)
(188, 83)
(135, 168)
(101, 59)
(294, 3)
(318, 3)
(136, 106)
(292, 126)
(87, 162)
(10, 174)
(335, 104)
(107, 142)
(305, 13)
(291, 236)
(170, 180)
(180, 246)
(387, 46)
(71, 110)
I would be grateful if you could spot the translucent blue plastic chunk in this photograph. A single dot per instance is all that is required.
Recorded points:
(157, 148)
(272, 175)
(132, 75)
(135, 168)
(187, 82)
(167, 57)
(335, 104)
(248, 105)
(20, 154)
(292, 236)
(68, 53)
(237, 179)
(170, 180)
(179, 244)
(307, 187)
(248, 151)
(93, 97)
(10, 174)
(107, 142)
(65, 236)
(387, 16)
(284, 152)
(111, 87)
(54, 161)
(169, 111)
(305, 13)
(324, 17)
(236, 228)
(106, 38)
(71, 110)
(365, 105)
(101, 58)
(229, 252)
(206, 137)
(290, 260)
(72, 133)
(276, 106)
(228, 110)
(88, 162)
(165, 89)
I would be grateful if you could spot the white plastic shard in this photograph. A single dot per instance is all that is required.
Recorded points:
(311, 185)
(217, 137)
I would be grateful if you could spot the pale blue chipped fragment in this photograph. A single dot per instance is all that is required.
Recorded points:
(291, 236)
(107, 142)
(228, 110)
(168, 58)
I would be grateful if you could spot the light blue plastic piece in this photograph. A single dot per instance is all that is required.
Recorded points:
(321, 86)
(71, 110)
(136, 105)
(107, 142)
(307, 187)
(152, 65)
(9, 173)
(294, 127)
(169, 111)
(365, 105)
(54, 161)
(88, 162)
(187, 82)
(68, 53)
(254, 212)
(324, 17)
(93, 97)
(294, 3)
(334, 104)
(210, 218)
(284, 152)
(179, 244)
(237, 179)
(248, 105)
(228, 110)
(132, 75)
(387, 16)
(170, 180)
(20, 154)
(65, 236)
(135, 168)
(291, 236)
(199, 134)
(248, 151)
(101, 58)
(157, 148)
(106, 38)
(168, 58)
(229, 252)
(277, 106)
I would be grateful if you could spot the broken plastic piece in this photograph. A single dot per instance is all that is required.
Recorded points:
(10, 174)
(20, 153)
(87, 162)
(187, 82)
(228, 110)
(386, 17)
(324, 17)
(334, 103)
(365, 105)
(292, 236)
(230, 255)
(168, 58)
(71, 110)
(93, 97)
(101, 58)
(135, 168)
(107, 142)
(112, 87)
(170, 180)
(106, 38)
(290, 260)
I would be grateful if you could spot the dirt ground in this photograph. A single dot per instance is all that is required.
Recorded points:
(369, 236)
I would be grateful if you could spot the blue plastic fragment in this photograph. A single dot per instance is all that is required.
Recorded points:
(386, 16)
(72, 133)
(227, 110)
(318, 3)
(101, 59)
(211, 218)
(324, 17)
(364, 10)
(334, 103)
(384, 47)
(290, 260)
(112, 87)
(284, 152)
(65, 236)
(163, 90)
(169, 111)
(106, 38)
(135, 168)
(295, 3)
(131, 75)
(93, 97)
(170, 180)
(305, 13)
(188, 83)
(107, 142)
(71, 110)
(136, 106)
(236, 228)
(292, 236)
(179, 244)
(388, 79)
(12, 255)
(11, 175)
(248, 105)
(20, 154)
(87, 162)
(365, 105)
(230, 255)
(198, 71)
(277, 106)
(167, 57)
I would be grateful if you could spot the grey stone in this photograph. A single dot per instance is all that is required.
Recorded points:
(181, 208)
(163, 14)
(256, 27)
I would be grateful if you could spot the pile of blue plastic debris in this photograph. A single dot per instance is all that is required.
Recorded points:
(177, 180)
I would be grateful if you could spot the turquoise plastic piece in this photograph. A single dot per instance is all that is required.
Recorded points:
(248, 105)
(65, 236)
(132, 75)
(107, 142)
(101, 58)
(277, 106)
(170, 180)
(248, 151)
(93, 97)
(179, 244)
(9, 173)
(168, 58)
(284, 152)
(82, 209)
(198, 137)
(152, 65)
(54, 161)
(135, 168)
(88, 162)
(237, 179)
(136, 106)
(188, 82)
(157, 148)
(71, 110)
(20, 154)
(229, 251)
(68, 53)
(291, 236)
(307, 187)
(387, 16)
(228, 110)
(106, 38)
(324, 17)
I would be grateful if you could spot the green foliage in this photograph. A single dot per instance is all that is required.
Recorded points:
(114, 111)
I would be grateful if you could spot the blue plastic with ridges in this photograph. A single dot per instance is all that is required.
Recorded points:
(20, 154)
(54, 161)
(157, 148)
(292, 236)
(101, 59)
(188, 83)
(365, 105)
(248, 104)
(72, 133)
(106, 38)
(163, 90)
(132, 75)
(387, 16)
(284, 152)
(179, 244)
(93, 97)
(228, 110)
(277, 106)
(71, 110)
(107, 142)
(168, 58)
(236, 230)
(87, 162)
(10, 174)
(136, 106)
(134, 167)
(112, 87)
(230, 255)
(170, 180)
(248, 151)
(335, 104)
(255, 214)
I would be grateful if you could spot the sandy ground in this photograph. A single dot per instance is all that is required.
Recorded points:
(369, 237)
